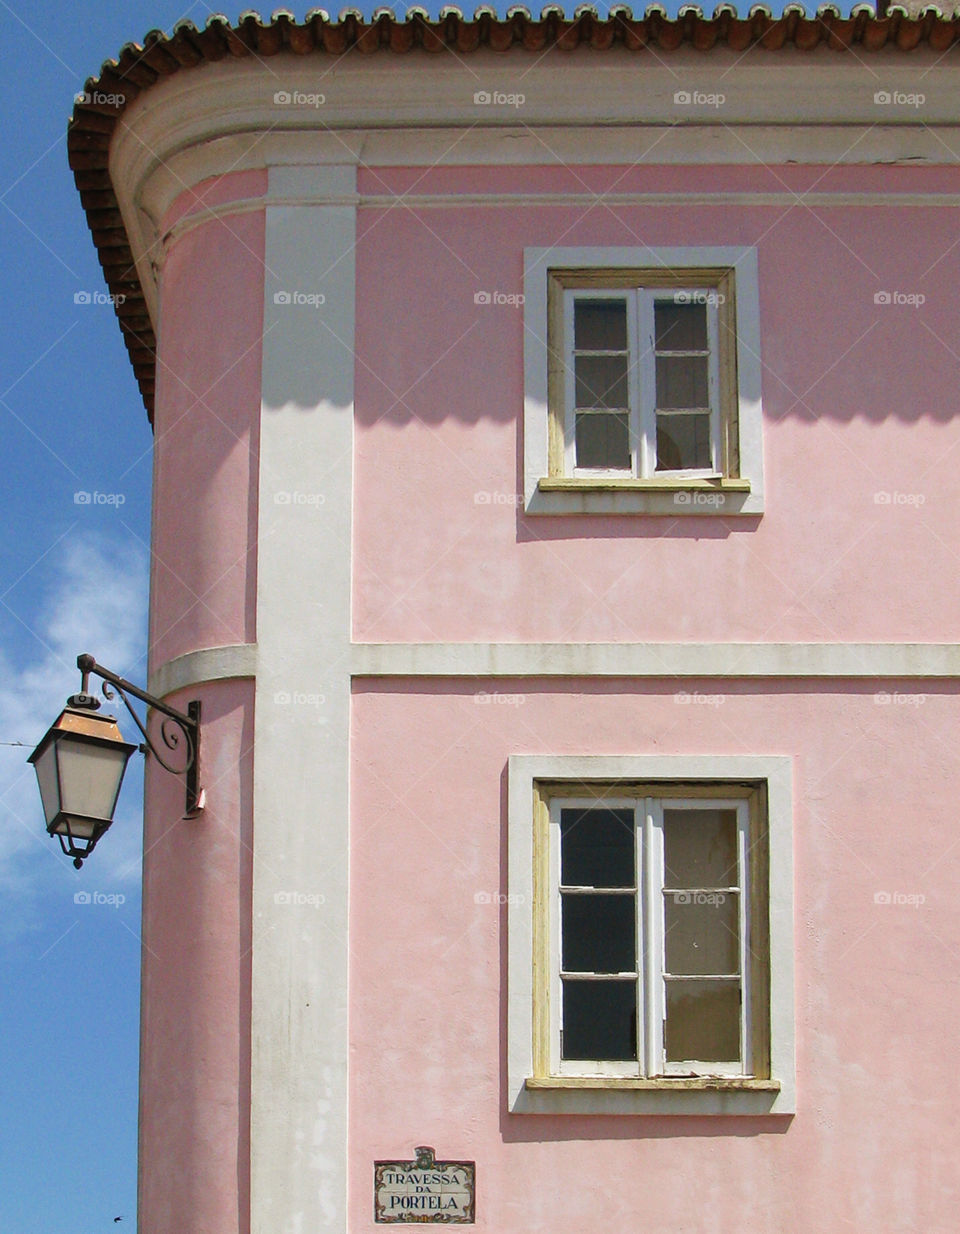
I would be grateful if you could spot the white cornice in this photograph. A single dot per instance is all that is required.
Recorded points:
(613, 107)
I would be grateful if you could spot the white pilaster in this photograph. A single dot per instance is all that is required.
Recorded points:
(301, 782)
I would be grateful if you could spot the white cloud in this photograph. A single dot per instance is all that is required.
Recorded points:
(96, 601)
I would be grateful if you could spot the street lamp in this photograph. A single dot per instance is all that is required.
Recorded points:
(81, 759)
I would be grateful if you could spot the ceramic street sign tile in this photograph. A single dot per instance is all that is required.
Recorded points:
(424, 1190)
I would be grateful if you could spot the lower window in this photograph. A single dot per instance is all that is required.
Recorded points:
(657, 940)
(650, 934)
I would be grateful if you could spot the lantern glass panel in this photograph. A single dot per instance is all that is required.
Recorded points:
(90, 777)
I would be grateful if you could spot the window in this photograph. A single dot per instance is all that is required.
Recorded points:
(644, 375)
(657, 953)
(642, 381)
(650, 949)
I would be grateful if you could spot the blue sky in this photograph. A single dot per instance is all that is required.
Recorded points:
(73, 577)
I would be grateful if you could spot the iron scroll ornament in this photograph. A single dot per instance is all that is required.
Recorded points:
(177, 729)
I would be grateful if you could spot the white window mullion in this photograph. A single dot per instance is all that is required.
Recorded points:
(647, 394)
(652, 953)
(634, 385)
(569, 387)
(743, 857)
(713, 387)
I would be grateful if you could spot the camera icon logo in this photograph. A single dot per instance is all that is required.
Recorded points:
(281, 297)
(882, 297)
(883, 98)
(282, 97)
(81, 897)
(481, 297)
(81, 498)
(482, 97)
(881, 897)
(682, 98)
(81, 297)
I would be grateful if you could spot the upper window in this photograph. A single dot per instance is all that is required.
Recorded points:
(642, 381)
(643, 375)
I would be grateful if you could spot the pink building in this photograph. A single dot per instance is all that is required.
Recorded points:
(555, 504)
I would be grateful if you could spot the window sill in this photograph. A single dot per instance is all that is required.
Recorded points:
(667, 497)
(711, 1083)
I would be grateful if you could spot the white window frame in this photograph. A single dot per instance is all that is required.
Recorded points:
(650, 977)
(641, 381)
(529, 1090)
(678, 494)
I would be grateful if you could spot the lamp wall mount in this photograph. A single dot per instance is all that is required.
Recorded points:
(179, 731)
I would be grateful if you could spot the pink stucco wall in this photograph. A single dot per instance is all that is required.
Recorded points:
(872, 1146)
(195, 1012)
(859, 400)
(207, 431)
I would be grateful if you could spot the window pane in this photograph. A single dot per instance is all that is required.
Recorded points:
(683, 443)
(601, 381)
(700, 848)
(598, 933)
(597, 848)
(680, 327)
(599, 1020)
(702, 932)
(600, 325)
(603, 440)
(681, 382)
(703, 1021)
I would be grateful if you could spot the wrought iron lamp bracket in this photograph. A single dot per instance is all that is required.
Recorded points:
(177, 729)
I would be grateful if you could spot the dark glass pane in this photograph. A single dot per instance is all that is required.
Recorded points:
(600, 325)
(597, 848)
(700, 848)
(680, 327)
(702, 932)
(683, 443)
(703, 1021)
(601, 381)
(603, 440)
(682, 382)
(598, 933)
(600, 1020)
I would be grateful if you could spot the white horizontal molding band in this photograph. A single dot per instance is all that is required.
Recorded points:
(510, 201)
(892, 660)
(207, 664)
